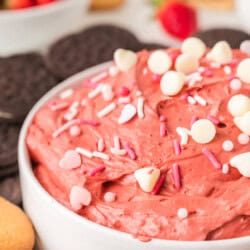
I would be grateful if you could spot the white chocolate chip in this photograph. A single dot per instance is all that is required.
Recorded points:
(245, 47)
(147, 178)
(194, 47)
(172, 83)
(128, 112)
(203, 131)
(159, 62)
(242, 163)
(243, 70)
(235, 84)
(186, 63)
(243, 123)
(238, 105)
(182, 213)
(228, 145)
(221, 53)
(125, 59)
(243, 139)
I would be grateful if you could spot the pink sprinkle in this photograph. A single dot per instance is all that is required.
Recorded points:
(185, 96)
(163, 118)
(100, 145)
(163, 130)
(58, 106)
(213, 119)
(130, 151)
(65, 127)
(124, 91)
(89, 84)
(89, 122)
(177, 147)
(159, 184)
(97, 170)
(211, 158)
(75, 131)
(109, 197)
(176, 176)
(156, 78)
(194, 119)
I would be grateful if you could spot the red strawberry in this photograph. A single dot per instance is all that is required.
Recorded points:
(178, 19)
(41, 2)
(18, 4)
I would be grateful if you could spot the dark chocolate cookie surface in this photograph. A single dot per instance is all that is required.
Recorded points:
(8, 146)
(90, 47)
(151, 46)
(23, 80)
(232, 36)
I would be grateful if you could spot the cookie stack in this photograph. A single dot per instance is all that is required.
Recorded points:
(23, 80)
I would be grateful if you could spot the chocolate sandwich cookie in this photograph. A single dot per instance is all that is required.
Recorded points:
(23, 80)
(8, 146)
(90, 47)
(232, 36)
(9, 170)
(151, 46)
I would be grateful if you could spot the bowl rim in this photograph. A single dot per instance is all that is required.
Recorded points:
(26, 169)
(39, 10)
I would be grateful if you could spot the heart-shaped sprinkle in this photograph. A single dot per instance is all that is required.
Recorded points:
(243, 123)
(70, 160)
(245, 47)
(221, 53)
(242, 163)
(79, 197)
(147, 178)
(128, 112)
(125, 59)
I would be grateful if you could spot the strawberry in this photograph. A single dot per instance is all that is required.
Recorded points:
(41, 2)
(18, 4)
(178, 19)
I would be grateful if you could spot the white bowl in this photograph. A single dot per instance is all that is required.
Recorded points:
(36, 27)
(58, 228)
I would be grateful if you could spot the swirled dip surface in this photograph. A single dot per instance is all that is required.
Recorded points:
(215, 204)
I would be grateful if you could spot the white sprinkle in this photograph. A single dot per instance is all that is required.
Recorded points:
(145, 71)
(194, 76)
(70, 115)
(83, 102)
(100, 155)
(227, 70)
(65, 127)
(182, 213)
(100, 145)
(95, 92)
(138, 93)
(74, 105)
(140, 107)
(84, 152)
(113, 71)
(191, 100)
(53, 107)
(117, 144)
(187, 131)
(66, 93)
(99, 77)
(108, 109)
(228, 145)
(127, 113)
(200, 100)
(225, 168)
(215, 65)
(235, 84)
(243, 139)
(118, 151)
(183, 134)
(201, 69)
(109, 197)
(124, 100)
(107, 92)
